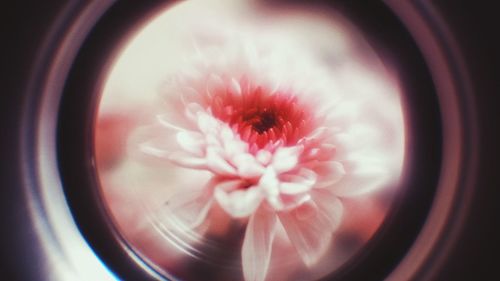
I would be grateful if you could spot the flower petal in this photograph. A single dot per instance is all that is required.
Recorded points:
(192, 111)
(235, 87)
(360, 181)
(310, 226)
(247, 166)
(163, 119)
(191, 208)
(264, 156)
(214, 85)
(206, 123)
(188, 95)
(152, 143)
(217, 163)
(317, 134)
(191, 142)
(186, 160)
(329, 173)
(299, 182)
(286, 158)
(269, 184)
(239, 203)
(257, 245)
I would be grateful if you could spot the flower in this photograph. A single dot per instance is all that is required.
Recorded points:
(279, 139)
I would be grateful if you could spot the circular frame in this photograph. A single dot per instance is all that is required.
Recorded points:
(87, 35)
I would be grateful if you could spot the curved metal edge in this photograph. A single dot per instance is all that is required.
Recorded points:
(65, 252)
(460, 137)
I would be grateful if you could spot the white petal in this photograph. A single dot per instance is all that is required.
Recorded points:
(269, 182)
(329, 173)
(191, 142)
(286, 158)
(257, 245)
(264, 156)
(247, 166)
(360, 181)
(295, 183)
(192, 111)
(214, 85)
(189, 74)
(317, 134)
(330, 207)
(217, 163)
(235, 87)
(294, 187)
(238, 203)
(163, 119)
(235, 147)
(226, 134)
(188, 95)
(154, 142)
(149, 149)
(186, 160)
(292, 201)
(207, 124)
(190, 208)
(230, 185)
(310, 226)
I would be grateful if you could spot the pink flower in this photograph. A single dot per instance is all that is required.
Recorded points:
(279, 140)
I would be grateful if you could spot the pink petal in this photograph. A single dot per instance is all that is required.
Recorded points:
(239, 203)
(235, 147)
(298, 183)
(321, 152)
(317, 134)
(186, 160)
(188, 95)
(191, 142)
(329, 173)
(264, 156)
(234, 87)
(149, 149)
(191, 208)
(269, 184)
(286, 158)
(207, 123)
(247, 166)
(257, 245)
(164, 120)
(153, 142)
(217, 163)
(214, 85)
(360, 181)
(310, 226)
(192, 111)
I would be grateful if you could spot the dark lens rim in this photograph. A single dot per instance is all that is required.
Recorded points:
(75, 135)
(385, 31)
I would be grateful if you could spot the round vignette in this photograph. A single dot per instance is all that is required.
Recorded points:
(261, 134)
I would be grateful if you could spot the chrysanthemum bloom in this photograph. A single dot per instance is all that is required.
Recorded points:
(279, 139)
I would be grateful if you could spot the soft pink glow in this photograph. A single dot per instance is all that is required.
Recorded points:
(239, 129)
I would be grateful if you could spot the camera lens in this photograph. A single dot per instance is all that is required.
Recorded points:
(253, 140)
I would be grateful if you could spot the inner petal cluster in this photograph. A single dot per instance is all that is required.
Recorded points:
(262, 117)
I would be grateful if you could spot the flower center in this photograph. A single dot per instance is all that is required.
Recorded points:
(261, 118)
(261, 121)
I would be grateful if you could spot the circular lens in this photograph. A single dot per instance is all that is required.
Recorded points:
(237, 141)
